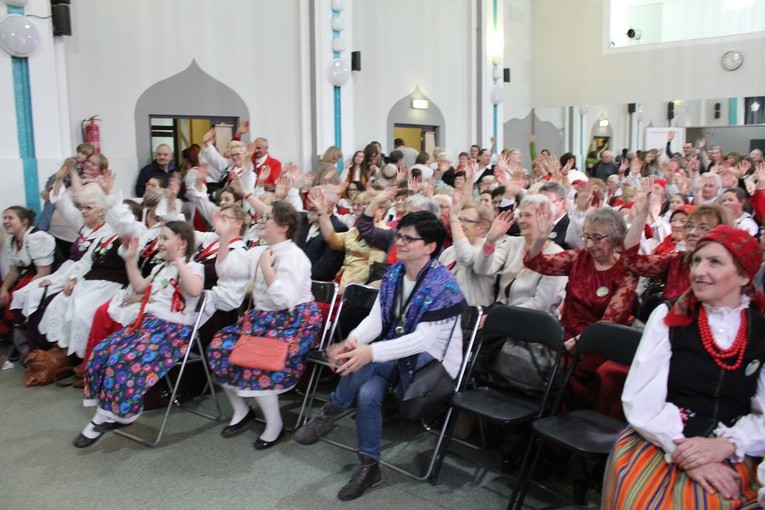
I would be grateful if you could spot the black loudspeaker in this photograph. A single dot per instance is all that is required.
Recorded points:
(717, 110)
(671, 110)
(355, 61)
(62, 22)
(631, 107)
(506, 74)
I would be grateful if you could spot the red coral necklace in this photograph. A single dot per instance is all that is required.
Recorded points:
(723, 356)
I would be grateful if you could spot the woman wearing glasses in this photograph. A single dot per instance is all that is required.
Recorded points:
(599, 288)
(282, 308)
(414, 320)
(519, 285)
(359, 256)
(235, 161)
(672, 268)
(469, 225)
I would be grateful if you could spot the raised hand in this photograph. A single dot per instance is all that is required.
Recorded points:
(65, 170)
(107, 181)
(174, 186)
(458, 200)
(412, 184)
(282, 187)
(500, 226)
(209, 137)
(544, 218)
(471, 168)
(670, 136)
(248, 152)
(502, 163)
(265, 173)
(243, 129)
(131, 251)
(401, 173)
(624, 166)
(318, 199)
(236, 184)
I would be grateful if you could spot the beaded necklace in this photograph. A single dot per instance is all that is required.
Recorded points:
(722, 356)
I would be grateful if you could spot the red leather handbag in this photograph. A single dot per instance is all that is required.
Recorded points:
(260, 353)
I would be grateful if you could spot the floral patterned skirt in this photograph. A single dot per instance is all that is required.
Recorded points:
(304, 321)
(126, 364)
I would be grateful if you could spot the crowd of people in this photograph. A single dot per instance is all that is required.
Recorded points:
(115, 281)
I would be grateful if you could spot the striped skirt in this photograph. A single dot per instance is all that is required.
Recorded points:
(638, 477)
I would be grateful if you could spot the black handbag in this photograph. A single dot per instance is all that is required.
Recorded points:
(429, 387)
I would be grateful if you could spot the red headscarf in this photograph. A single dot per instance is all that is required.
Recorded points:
(747, 253)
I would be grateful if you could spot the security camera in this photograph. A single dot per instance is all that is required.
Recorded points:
(634, 33)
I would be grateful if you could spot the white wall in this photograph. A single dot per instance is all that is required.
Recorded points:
(400, 41)
(119, 49)
(572, 66)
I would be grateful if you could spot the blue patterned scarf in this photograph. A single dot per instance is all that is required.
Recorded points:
(436, 298)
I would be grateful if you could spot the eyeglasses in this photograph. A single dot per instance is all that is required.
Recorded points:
(229, 218)
(264, 218)
(405, 239)
(596, 239)
(703, 227)
(465, 220)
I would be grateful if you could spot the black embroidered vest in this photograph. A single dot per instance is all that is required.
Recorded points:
(705, 393)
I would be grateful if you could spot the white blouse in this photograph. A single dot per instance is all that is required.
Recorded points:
(528, 289)
(293, 275)
(645, 391)
(477, 288)
(162, 290)
(36, 248)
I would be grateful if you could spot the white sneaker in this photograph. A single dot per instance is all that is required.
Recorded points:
(7, 365)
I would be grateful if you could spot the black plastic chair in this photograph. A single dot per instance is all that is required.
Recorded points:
(355, 305)
(500, 405)
(587, 434)
(470, 322)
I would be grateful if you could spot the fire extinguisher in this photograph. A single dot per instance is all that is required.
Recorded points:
(91, 133)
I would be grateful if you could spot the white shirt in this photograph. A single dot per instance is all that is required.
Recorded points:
(293, 275)
(478, 289)
(431, 337)
(645, 391)
(528, 289)
(162, 290)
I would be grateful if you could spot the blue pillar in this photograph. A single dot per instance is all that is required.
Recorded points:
(24, 125)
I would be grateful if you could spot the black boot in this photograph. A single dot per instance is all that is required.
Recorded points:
(317, 427)
(367, 476)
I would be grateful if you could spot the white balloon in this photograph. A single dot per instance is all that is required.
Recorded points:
(18, 35)
(338, 23)
(496, 94)
(339, 72)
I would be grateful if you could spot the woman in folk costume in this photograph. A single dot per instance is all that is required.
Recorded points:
(125, 365)
(695, 393)
(91, 210)
(283, 308)
(414, 320)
